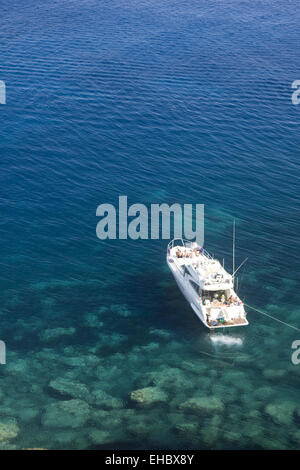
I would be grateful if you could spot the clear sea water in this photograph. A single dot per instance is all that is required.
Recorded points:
(162, 101)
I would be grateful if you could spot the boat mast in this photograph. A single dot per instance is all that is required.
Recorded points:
(233, 252)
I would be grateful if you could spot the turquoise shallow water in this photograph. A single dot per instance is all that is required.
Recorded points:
(169, 101)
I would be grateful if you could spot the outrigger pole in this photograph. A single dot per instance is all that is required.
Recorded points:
(240, 266)
(234, 271)
(233, 253)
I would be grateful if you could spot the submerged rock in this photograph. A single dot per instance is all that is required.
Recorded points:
(190, 429)
(281, 413)
(66, 414)
(7, 445)
(225, 393)
(274, 374)
(100, 437)
(232, 436)
(197, 367)
(148, 396)
(211, 430)
(99, 416)
(52, 334)
(140, 425)
(65, 437)
(263, 393)
(104, 400)
(28, 414)
(121, 310)
(8, 430)
(162, 334)
(238, 379)
(296, 437)
(92, 321)
(17, 367)
(169, 378)
(76, 361)
(203, 405)
(183, 423)
(265, 442)
(149, 347)
(68, 388)
(109, 420)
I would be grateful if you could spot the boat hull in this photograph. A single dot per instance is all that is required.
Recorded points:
(192, 299)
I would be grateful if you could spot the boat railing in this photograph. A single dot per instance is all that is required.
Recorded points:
(186, 244)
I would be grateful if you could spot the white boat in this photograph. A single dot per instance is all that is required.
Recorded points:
(206, 285)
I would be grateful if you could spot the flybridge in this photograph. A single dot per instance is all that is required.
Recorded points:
(207, 271)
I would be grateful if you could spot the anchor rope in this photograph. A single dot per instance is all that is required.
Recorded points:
(222, 356)
(224, 360)
(273, 318)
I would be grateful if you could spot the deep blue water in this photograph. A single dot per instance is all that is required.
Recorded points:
(162, 101)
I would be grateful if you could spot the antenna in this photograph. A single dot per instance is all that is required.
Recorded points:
(240, 266)
(233, 252)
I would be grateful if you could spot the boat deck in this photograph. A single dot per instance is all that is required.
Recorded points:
(226, 324)
(188, 256)
(201, 263)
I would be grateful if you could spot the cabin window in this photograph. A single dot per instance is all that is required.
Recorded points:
(214, 295)
(185, 270)
(195, 286)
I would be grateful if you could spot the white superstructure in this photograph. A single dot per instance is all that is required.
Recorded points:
(206, 285)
